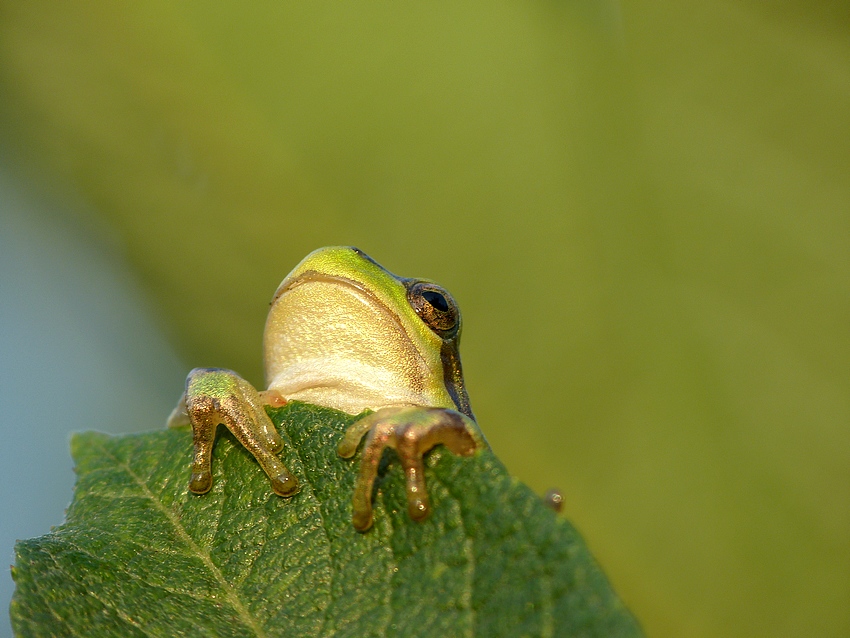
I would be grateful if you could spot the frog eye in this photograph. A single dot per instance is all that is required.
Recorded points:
(435, 307)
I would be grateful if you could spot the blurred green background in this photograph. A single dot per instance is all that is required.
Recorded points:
(643, 209)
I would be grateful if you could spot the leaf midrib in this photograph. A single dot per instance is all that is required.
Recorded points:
(230, 594)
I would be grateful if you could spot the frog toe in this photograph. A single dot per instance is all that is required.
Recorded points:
(200, 483)
(284, 485)
(362, 520)
(418, 506)
(411, 431)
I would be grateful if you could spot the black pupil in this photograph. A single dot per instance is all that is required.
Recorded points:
(436, 299)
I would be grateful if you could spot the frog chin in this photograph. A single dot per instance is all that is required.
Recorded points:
(333, 342)
(352, 386)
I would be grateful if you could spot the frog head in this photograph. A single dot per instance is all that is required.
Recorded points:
(346, 333)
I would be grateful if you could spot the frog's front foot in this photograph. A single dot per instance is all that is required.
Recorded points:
(215, 396)
(412, 431)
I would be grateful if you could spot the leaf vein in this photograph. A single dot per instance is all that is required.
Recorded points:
(108, 604)
(188, 593)
(184, 536)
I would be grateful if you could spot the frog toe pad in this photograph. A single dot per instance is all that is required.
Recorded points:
(201, 482)
(411, 431)
(284, 484)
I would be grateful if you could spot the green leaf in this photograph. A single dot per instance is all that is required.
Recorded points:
(140, 556)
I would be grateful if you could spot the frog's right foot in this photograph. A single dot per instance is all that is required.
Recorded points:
(412, 431)
(215, 396)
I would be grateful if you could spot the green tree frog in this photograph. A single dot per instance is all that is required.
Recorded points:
(345, 333)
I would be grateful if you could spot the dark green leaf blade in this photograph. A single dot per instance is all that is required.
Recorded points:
(139, 555)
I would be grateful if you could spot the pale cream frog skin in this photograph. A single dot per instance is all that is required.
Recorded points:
(345, 333)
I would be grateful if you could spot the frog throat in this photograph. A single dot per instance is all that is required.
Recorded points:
(387, 360)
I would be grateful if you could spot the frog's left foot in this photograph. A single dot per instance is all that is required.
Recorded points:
(412, 431)
(215, 396)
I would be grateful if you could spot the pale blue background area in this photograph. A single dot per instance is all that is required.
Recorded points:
(79, 350)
